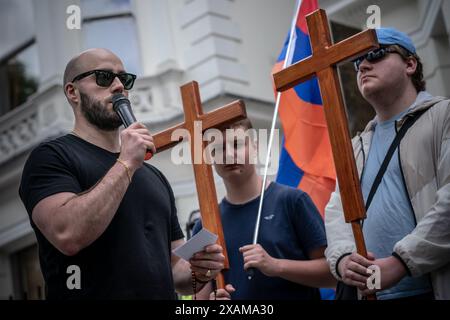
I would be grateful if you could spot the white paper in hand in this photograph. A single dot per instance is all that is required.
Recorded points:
(195, 244)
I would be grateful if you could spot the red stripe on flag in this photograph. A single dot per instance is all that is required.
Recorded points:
(306, 8)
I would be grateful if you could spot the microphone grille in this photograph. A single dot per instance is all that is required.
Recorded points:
(118, 97)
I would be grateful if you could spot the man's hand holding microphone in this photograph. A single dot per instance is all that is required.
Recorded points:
(136, 141)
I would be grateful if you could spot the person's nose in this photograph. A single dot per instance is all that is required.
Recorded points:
(117, 86)
(364, 66)
(229, 154)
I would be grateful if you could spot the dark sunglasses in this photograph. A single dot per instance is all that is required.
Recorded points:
(374, 55)
(104, 78)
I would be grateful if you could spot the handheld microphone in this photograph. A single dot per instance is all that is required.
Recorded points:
(122, 106)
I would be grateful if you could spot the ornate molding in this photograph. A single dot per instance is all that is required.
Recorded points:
(15, 232)
(213, 43)
(42, 116)
(19, 133)
(156, 99)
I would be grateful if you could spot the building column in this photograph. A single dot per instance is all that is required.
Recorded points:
(155, 36)
(56, 43)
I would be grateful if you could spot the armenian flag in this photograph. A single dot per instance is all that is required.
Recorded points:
(306, 160)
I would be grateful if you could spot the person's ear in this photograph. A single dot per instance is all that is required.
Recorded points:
(411, 66)
(71, 93)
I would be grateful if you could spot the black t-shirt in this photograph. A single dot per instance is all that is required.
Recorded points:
(132, 258)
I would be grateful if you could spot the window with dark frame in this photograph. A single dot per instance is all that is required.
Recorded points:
(110, 24)
(19, 63)
(19, 72)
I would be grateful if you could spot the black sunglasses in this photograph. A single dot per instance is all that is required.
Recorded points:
(374, 55)
(104, 78)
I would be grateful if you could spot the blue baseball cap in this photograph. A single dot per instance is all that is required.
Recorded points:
(388, 36)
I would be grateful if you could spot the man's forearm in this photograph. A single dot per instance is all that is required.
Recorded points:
(312, 273)
(87, 215)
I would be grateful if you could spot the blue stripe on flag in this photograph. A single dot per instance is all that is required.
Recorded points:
(307, 91)
(288, 173)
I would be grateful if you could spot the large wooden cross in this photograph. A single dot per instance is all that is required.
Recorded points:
(204, 180)
(322, 63)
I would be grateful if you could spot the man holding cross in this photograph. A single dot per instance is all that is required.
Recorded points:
(407, 230)
(97, 208)
(288, 260)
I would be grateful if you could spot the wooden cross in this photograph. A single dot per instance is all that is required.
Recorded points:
(204, 180)
(322, 64)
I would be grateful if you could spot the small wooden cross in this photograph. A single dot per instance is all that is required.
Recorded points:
(322, 64)
(204, 180)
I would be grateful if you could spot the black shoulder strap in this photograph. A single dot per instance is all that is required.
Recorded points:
(400, 134)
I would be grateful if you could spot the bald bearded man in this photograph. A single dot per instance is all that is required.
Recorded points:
(106, 221)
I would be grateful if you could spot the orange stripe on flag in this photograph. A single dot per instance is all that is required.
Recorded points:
(319, 189)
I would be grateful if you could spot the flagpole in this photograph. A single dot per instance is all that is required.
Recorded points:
(287, 60)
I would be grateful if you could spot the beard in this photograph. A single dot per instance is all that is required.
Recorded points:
(98, 114)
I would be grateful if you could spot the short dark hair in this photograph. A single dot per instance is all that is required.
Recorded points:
(417, 78)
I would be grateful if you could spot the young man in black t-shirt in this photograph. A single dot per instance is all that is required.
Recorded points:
(99, 212)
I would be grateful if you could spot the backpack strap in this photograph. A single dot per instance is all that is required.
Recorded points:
(398, 137)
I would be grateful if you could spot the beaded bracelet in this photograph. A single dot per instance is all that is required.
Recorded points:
(194, 281)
